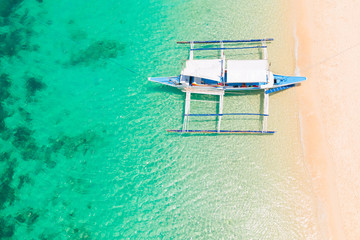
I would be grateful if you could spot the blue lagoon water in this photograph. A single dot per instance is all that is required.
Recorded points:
(83, 149)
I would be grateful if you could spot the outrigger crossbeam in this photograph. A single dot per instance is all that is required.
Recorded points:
(222, 131)
(220, 93)
(223, 48)
(225, 114)
(227, 41)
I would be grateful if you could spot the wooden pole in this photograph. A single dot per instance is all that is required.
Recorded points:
(265, 53)
(266, 110)
(191, 57)
(221, 103)
(187, 111)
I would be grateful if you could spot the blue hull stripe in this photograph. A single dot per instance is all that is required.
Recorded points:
(279, 89)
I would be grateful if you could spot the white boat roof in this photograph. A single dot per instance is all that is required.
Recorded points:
(246, 71)
(209, 69)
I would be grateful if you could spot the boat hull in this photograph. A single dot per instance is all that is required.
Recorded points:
(279, 81)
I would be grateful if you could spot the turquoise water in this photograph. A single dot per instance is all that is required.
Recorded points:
(84, 151)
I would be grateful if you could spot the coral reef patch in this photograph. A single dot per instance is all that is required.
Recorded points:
(33, 85)
(103, 49)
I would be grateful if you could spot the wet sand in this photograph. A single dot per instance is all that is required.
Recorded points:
(329, 55)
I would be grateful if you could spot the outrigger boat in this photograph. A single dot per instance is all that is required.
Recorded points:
(217, 76)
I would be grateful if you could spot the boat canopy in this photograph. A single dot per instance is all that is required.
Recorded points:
(209, 69)
(246, 71)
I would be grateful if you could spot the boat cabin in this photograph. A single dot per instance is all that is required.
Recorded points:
(230, 74)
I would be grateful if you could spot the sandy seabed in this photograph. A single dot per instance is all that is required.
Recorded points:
(329, 55)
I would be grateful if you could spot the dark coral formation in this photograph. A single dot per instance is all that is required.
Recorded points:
(23, 179)
(7, 229)
(7, 193)
(18, 24)
(48, 158)
(24, 114)
(25, 143)
(4, 157)
(13, 41)
(77, 34)
(8, 6)
(78, 185)
(5, 85)
(3, 115)
(78, 232)
(22, 148)
(98, 50)
(48, 234)
(28, 216)
(69, 146)
(22, 136)
(33, 85)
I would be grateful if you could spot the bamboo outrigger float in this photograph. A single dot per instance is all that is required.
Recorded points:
(217, 76)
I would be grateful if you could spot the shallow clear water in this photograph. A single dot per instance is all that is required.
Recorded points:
(84, 151)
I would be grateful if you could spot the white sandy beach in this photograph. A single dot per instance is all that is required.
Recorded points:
(329, 55)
